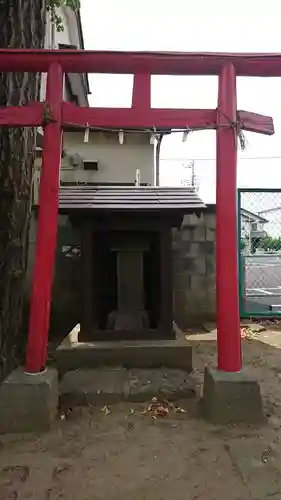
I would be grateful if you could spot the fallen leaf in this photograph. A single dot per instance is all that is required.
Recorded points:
(179, 410)
(106, 411)
(162, 411)
(245, 333)
(161, 408)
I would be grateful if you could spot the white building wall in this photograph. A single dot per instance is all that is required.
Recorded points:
(59, 37)
(116, 163)
(248, 226)
(69, 36)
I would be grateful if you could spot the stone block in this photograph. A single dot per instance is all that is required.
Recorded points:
(190, 220)
(200, 265)
(210, 221)
(210, 263)
(182, 281)
(199, 233)
(211, 282)
(183, 248)
(189, 264)
(187, 248)
(202, 220)
(28, 402)
(129, 354)
(195, 310)
(194, 248)
(198, 285)
(97, 386)
(108, 386)
(211, 301)
(187, 234)
(172, 384)
(207, 247)
(210, 234)
(179, 304)
(231, 397)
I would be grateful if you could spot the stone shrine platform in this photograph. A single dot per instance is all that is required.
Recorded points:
(72, 354)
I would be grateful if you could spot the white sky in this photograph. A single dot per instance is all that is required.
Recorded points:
(198, 25)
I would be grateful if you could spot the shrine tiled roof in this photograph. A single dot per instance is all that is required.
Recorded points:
(123, 198)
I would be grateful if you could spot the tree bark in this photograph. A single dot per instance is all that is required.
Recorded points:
(22, 25)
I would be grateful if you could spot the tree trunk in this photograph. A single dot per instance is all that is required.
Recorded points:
(22, 25)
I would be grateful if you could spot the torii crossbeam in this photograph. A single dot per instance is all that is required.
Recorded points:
(55, 115)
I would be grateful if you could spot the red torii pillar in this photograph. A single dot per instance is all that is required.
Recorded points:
(228, 317)
(56, 114)
(40, 305)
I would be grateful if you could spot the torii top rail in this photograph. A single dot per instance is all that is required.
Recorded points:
(54, 115)
(153, 63)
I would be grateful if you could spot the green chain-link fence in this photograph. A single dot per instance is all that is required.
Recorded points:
(259, 233)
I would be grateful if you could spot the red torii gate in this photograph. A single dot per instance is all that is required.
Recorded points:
(54, 115)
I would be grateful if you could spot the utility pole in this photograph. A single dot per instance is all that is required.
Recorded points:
(192, 166)
(250, 236)
(191, 181)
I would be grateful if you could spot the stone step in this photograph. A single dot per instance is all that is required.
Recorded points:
(106, 386)
(71, 354)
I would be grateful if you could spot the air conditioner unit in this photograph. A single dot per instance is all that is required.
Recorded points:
(76, 160)
(72, 161)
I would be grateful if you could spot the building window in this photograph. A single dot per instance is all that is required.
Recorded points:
(254, 226)
(91, 165)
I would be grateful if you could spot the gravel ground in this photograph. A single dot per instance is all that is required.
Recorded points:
(121, 453)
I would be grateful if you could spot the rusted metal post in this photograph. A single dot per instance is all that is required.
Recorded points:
(47, 225)
(228, 318)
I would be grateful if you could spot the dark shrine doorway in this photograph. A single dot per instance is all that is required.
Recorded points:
(105, 273)
(122, 279)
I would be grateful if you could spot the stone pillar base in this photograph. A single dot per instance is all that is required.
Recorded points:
(28, 403)
(231, 397)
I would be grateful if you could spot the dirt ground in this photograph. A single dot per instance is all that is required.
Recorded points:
(124, 454)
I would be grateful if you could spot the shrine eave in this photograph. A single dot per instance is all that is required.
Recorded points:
(125, 199)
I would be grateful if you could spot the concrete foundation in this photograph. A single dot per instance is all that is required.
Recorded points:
(73, 355)
(106, 386)
(28, 403)
(231, 397)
